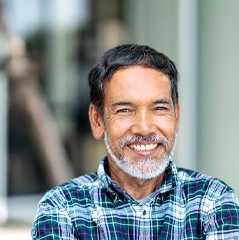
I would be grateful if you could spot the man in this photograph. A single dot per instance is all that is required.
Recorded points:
(137, 192)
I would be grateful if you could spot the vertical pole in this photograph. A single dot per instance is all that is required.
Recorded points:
(3, 147)
(187, 65)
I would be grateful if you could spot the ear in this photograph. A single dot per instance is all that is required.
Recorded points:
(96, 123)
(177, 115)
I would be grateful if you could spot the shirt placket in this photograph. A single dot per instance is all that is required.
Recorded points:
(142, 222)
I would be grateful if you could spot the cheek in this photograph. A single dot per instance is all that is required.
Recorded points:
(117, 130)
(167, 127)
(117, 125)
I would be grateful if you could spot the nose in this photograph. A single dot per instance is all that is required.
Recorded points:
(143, 123)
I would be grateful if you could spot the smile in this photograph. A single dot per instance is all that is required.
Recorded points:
(144, 147)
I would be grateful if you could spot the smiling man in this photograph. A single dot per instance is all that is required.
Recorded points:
(137, 192)
(139, 122)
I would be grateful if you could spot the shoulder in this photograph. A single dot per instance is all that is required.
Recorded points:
(214, 200)
(76, 189)
(201, 184)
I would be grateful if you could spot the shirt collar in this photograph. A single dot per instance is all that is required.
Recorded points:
(102, 175)
(171, 178)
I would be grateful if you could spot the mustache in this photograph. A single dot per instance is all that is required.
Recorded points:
(152, 138)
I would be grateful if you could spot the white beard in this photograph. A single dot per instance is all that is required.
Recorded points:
(143, 168)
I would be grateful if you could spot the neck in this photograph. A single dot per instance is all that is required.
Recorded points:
(137, 188)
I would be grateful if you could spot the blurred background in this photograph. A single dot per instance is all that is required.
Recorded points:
(46, 51)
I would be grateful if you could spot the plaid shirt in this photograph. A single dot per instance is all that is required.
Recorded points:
(188, 205)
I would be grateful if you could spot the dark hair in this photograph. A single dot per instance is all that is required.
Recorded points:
(125, 56)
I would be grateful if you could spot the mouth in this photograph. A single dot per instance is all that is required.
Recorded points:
(143, 147)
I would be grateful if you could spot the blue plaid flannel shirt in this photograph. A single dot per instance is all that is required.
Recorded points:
(188, 205)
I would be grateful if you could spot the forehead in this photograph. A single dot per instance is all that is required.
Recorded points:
(138, 83)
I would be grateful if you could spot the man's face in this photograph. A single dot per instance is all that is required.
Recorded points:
(140, 121)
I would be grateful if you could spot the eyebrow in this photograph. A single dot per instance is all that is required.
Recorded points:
(121, 103)
(164, 100)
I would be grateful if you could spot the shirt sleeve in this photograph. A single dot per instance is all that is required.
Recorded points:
(222, 220)
(52, 222)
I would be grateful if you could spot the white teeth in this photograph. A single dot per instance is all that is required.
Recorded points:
(144, 147)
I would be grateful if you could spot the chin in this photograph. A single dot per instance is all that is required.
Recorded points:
(144, 169)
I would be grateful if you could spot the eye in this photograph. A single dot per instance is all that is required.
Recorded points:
(123, 110)
(161, 108)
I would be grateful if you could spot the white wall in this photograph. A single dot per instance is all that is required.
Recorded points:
(218, 84)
